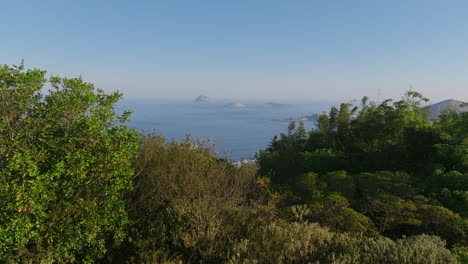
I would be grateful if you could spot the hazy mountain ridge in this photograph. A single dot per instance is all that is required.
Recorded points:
(436, 109)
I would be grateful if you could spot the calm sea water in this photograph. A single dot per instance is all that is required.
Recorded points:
(237, 133)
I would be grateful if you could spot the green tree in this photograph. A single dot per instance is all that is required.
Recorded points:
(191, 203)
(334, 212)
(453, 148)
(65, 162)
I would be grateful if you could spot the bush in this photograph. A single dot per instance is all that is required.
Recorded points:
(65, 163)
(191, 203)
(461, 253)
(280, 242)
(421, 249)
(333, 211)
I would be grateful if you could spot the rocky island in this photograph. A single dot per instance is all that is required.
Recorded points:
(236, 105)
(272, 104)
(203, 99)
(313, 117)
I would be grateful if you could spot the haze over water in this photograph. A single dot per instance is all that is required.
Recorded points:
(237, 133)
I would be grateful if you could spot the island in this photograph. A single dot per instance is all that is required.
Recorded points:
(236, 105)
(272, 104)
(203, 99)
(313, 117)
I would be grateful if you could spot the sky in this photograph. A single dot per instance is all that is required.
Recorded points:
(251, 49)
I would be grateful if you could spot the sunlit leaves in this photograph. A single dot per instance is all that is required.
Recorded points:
(64, 166)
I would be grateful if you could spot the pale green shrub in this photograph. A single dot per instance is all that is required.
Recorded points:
(423, 249)
(191, 203)
(282, 242)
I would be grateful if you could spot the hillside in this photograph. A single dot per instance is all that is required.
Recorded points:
(437, 108)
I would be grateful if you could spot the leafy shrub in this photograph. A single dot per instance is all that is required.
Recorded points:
(65, 163)
(423, 249)
(187, 201)
(333, 211)
(461, 253)
(322, 161)
(281, 242)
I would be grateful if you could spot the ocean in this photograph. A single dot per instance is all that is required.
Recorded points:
(235, 133)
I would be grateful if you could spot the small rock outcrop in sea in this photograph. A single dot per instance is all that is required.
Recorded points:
(203, 99)
(272, 104)
(236, 105)
(312, 117)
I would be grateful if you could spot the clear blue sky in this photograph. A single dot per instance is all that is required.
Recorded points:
(282, 50)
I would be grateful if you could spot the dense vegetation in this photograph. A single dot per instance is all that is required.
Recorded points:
(376, 183)
(64, 166)
(378, 170)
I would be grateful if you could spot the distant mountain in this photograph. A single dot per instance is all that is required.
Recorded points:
(436, 109)
(236, 105)
(203, 99)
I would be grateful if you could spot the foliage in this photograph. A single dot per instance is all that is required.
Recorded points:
(187, 201)
(461, 253)
(334, 212)
(374, 183)
(282, 243)
(384, 165)
(453, 147)
(65, 163)
(422, 249)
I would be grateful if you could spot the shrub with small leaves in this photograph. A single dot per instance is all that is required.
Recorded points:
(422, 249)
(190, 202)
(282, 242)
(65, 162)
